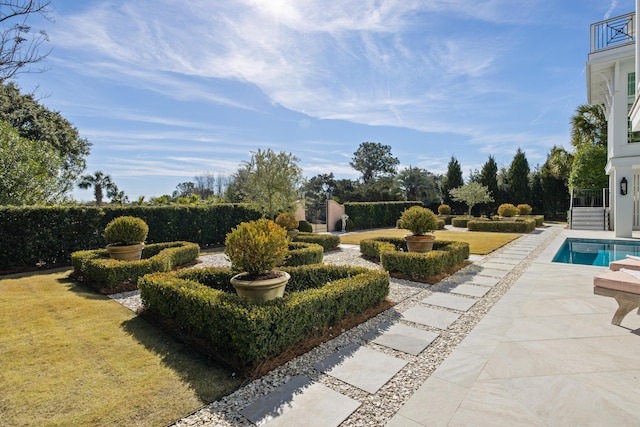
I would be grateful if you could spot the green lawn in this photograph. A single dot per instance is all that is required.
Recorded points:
(479, 243)
(71, 357)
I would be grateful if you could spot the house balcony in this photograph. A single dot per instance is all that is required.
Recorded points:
(612, 33)
(612, 45)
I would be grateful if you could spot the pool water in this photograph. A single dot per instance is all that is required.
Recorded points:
(595, 252)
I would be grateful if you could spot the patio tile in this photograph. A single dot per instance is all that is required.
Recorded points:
(497, 266)
(361, 367)
(447, 300)
(439, 319)
(405, 338)
(491, 272)
(506, 260)
(300, 399)
(469, 290)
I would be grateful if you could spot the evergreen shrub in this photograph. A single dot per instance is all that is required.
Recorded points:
(305, 227)
(507, 210)
(444, 209)
(301, 253)
(520, 225)
(244, 334)
(461, 221)
(96, 268)
(524, 209)
(328, 241)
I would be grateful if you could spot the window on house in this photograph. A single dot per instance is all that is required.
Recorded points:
(632, 137)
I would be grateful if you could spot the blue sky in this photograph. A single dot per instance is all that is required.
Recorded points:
(167, 89)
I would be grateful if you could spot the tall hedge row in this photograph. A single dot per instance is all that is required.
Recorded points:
(376, 214)
(32, 236)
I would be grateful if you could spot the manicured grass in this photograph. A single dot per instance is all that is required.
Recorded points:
(72, 357)
(479, 243)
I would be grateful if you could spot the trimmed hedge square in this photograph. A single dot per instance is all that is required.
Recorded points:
(394, 257)
(202, 305)
(111, 276)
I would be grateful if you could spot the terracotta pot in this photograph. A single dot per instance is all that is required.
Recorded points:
(261, 290)
(420, 243)
(126, 253)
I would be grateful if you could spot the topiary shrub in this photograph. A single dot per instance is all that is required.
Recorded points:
(418, 220)
(507, 210)
(520, 225)
(444, 209)
(126, 230)
(524, 209)
(305, 227)
(257, 247)
(287, 221)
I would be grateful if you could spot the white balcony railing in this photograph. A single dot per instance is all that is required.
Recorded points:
(614, 32)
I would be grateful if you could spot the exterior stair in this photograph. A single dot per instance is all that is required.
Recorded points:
(588, 218)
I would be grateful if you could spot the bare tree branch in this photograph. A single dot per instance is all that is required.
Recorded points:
(19, 47)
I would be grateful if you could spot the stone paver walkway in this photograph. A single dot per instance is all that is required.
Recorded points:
(302, 401)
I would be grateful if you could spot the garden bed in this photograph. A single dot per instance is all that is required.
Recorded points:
(394, 258)
(110, 276)
(201, 306)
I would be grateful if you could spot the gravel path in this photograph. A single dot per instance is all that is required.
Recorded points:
(378, 408)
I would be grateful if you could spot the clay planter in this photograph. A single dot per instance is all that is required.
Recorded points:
(261, 290)
(420, 243)
(126, 253)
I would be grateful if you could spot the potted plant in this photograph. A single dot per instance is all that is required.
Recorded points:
(289, 222)
(255, 248)
(125, 237)
(419, 221)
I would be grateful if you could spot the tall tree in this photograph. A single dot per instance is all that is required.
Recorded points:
(518, 179)
(101, 183)
(28, 170)
(453, 179)
(274, 182)
(236, 191)
(36, 122)
(489, 178)
(418, 184)
(374, 160)
(587, 170)
(19, 46)
(554, 175)
(471, 194)
(589, 125)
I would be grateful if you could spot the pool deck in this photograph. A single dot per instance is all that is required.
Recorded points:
(545, 355)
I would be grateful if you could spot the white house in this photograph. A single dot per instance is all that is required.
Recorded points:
(611, 82)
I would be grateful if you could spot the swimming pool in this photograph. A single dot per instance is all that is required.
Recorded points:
(595, 251)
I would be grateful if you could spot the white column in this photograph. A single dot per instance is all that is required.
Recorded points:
(623, 203)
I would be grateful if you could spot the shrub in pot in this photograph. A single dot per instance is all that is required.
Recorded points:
(289, 222)
(419, 221)
(255, 248)
(125, 236)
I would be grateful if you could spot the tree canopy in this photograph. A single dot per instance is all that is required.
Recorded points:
(28, 170)
(489, 178)
(587, 171)
(519, 190)
(102, 183)
(453, 179)
(471, 194)
(374, 160)
(274, 180)
(37, 123)
(589, 125)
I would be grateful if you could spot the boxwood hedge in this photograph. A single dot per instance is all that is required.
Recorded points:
(327, 241)
(518, 225)
(394, 257)
(109, 276)
(201, 304)
(301, 253)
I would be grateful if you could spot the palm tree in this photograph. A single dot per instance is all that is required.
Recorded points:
(100, 183)
(589, 125)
